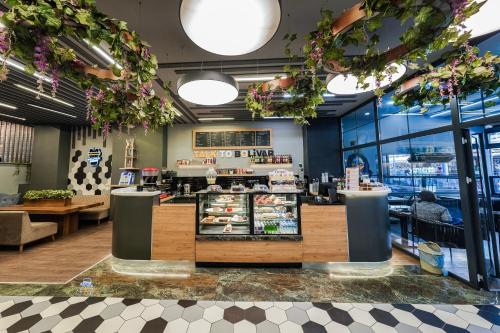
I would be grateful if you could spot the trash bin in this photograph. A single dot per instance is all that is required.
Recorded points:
(431, 258)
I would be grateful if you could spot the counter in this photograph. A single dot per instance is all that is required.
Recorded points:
(368, 225)
(323, 238)
(132, 222)
(314, 233)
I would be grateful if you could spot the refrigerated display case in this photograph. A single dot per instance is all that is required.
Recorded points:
(222, 213)
(276, 214)
(235, 214)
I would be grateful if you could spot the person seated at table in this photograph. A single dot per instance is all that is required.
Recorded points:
(427, 209)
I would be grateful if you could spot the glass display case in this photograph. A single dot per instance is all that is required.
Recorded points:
(231, 214)
(276, 213)
(223, 213)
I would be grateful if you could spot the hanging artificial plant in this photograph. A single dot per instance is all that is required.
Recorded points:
(463, 73)
(300, 94)
(433, 24)
(121, 95)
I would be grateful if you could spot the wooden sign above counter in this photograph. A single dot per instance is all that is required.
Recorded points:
(232, 139)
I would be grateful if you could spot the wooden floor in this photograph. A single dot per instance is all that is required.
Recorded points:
(401, 258)
(62, 260)
(56, 262)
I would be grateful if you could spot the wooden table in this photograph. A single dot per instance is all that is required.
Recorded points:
(69, 221)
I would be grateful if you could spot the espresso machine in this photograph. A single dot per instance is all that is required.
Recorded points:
(150, 178)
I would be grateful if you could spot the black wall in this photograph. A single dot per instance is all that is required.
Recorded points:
(322, 147)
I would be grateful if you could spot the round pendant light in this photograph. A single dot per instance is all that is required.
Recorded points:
(485, 20)
(347, 84)
(230, 27)
(207, 88)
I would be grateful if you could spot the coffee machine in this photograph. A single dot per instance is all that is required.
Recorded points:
(150, 177)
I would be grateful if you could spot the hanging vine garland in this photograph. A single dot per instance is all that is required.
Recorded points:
(122, 94)
(435, 24)
(302, 93)
(463, 73)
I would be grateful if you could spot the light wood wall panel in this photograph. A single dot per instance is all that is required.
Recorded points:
(324, 229)
(174, 232)
(249, 251)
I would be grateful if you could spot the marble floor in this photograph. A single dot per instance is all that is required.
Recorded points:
(389, 284)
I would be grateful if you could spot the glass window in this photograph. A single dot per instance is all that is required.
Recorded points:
(472, 107)
(349, 138)
(492, 104)
(358, 127)
(366, 133)
(349, 122)
(387, 106)
(365, 115)
(365, 158)
(436, 116)
(393, 125)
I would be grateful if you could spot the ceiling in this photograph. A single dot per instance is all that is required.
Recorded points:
(158, 23)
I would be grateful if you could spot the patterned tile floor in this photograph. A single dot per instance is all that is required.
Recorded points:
(99, 314)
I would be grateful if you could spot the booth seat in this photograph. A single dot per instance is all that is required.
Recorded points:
(98, 213)
(16, 229)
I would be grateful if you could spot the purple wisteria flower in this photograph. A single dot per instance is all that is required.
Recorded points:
(55, 80)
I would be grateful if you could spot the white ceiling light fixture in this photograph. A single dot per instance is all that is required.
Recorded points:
(230, 27)
(215, 119)
(258, 78)
(53, 111)
(8, 106)
(20, 86)
(348, 84)
(21, 67)
(109, 59)
(207, 88)
(13, 117)
(484, 21)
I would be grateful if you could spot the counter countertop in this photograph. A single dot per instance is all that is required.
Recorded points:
(376, 193)
(132, 192)
(225, 237)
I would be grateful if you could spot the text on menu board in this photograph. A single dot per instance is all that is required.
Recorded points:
(232, 139)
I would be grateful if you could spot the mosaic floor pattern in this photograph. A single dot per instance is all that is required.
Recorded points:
(111, 314)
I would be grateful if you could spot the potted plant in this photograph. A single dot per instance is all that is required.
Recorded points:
(48, 198)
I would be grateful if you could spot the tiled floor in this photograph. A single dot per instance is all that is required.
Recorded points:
(82, 314)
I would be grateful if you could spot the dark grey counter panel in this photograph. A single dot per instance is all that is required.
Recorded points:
(132, 222)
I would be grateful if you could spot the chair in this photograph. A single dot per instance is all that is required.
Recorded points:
(16, 229)
(98, 213)
(444, 234)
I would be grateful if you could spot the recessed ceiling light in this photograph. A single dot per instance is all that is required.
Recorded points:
(13, 117)
(21, 67)
(484, 21)
(367, 113)
(50, 110)
(8, 106)
(278, 117)
(109, 59)
(20, 86)
(207, 88)
(210, 119)
(258, 78)
(348, 84)
(229, 27)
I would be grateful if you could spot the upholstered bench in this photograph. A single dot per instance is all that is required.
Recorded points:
(98, 213)
(16, 229)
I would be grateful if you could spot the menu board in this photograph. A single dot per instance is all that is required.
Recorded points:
(232, 139)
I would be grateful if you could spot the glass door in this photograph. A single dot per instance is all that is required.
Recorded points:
(489, 234)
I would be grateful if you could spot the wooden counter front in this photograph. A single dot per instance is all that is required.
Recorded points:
(324, 229)
(174, 230)
(248, 251)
